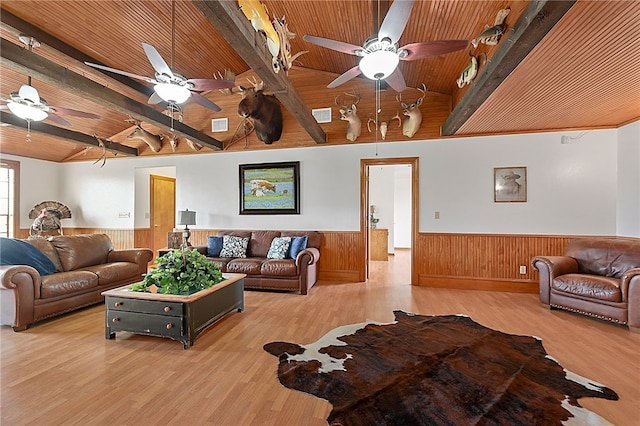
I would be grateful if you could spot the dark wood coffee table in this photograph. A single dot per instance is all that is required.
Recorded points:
(180, 318)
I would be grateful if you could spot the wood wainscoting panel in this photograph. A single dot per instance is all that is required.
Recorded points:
(483, 261)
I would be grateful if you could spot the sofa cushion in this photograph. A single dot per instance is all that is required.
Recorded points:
(214, 246)
(79, 251)
(314, 238)
(591, 286)
(250, 266)
(113, 272)
(45, 246)
(279, 267)
(260, 242)
(234, 246)
(66, 283)
(279, 248)
(297, 245)
(18, 252)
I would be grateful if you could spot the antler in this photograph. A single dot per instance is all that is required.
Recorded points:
(423, 91)
(398, 117)
(254, 82)
(355, 95)
(369, 122)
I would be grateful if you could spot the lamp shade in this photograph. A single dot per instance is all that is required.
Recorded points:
(172, 92)
(379, 65)
(186, 217)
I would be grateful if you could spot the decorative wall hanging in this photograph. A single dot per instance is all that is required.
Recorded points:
(270, 188)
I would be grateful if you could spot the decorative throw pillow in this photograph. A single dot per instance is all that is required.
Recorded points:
(18, 252)
(234, 246)
(214, 246)
(279, 248)
(297, 245)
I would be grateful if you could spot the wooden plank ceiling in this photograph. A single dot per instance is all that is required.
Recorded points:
(580, 73)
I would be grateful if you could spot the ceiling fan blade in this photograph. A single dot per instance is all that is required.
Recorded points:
(29, 92)
(202, 84)
(155, 99)
(72, 112)
(128, 74)
(352, 73)
(57, 119)
(156, 60)
(333, 44)
(432, 48)
(202, 101)
(396, 80)
(395, 21)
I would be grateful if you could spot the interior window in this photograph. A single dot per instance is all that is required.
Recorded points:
(9, 177)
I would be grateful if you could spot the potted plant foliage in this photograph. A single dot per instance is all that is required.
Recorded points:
(181, 272)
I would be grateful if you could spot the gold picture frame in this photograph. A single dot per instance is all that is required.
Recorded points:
(510, 184)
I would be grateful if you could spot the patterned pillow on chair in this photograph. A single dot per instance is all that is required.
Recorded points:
(279, 248)
(234, 246)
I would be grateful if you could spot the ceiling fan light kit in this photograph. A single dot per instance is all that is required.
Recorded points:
(26, 111)
(172, 93)
(379, 65)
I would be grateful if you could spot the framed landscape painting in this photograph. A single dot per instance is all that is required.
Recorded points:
(270, 188)
(510, 184)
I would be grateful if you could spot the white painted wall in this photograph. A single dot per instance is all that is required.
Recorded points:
(142, 196)
(382, 195)
(402, 206)
(628, 196)
(572, 189)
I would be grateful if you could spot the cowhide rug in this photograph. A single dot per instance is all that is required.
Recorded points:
(440, 370)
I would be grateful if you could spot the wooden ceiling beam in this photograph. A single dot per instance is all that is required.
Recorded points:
(17, 27)
(230, 22)
(28, 63)
(68, 135)
(536, 21)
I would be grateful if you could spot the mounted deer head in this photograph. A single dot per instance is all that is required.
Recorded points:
(350, 115)
(150, 139)
(383, 126)
(412, 111)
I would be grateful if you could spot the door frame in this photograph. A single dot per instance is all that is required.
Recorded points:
(365, 164)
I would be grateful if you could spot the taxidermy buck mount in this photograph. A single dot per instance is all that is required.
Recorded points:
(263, 111)
(412, 111)
(154, 141)
(350, 115)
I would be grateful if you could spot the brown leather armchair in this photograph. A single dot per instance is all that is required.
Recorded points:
(599, 277)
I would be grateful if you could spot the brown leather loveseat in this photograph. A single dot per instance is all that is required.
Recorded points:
(292, 274)
(599, 277)
(86, 265)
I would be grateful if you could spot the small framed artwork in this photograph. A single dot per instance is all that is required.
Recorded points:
(510, 184)
(174, 240)
(270, 188)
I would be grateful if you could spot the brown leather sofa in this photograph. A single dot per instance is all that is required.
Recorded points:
(299, 274)
(599, 277)
(86, 266)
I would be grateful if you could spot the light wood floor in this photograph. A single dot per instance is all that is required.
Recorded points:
(63, 371)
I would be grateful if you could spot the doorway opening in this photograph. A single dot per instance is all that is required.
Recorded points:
(389, 209)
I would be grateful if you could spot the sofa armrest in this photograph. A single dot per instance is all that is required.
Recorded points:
(309, 256)
(551, 267)
(19, 287)
(141, 256)
(630, 288)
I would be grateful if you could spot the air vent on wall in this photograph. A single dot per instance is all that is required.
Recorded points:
(322, 115)
(219, 124)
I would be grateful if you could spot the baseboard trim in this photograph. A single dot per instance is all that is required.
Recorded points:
(473, 283)
(340, 276)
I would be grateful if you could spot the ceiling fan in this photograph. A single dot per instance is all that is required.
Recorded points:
(27, 104)
(380, 53)
(169, 86)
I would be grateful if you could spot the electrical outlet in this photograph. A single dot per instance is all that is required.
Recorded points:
(523, 269)
(436, 215)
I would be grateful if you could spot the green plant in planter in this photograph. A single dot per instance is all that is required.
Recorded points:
(180, 272)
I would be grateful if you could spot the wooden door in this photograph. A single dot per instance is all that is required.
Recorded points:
(163, 210)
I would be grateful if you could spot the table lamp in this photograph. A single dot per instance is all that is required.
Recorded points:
(186, 218)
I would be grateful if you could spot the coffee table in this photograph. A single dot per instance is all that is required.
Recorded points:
(180, 318)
